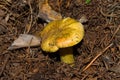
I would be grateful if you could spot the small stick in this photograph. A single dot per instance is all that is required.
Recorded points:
(68, 3)
(31, 18)
(5, 62)
(96, 57)
(115, 33)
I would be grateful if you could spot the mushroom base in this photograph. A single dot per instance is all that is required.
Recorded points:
(66, 55)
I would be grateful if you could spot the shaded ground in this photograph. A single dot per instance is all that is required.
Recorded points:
(101, 31)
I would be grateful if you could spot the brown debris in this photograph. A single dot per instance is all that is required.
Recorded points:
(101, 29)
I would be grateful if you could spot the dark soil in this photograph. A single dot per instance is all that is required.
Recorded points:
(102, 38)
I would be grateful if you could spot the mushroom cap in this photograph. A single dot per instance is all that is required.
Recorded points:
(61, 34)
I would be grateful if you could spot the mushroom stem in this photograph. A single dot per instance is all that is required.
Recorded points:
(66, 55)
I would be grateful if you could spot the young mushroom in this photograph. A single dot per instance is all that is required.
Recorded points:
(62, 35)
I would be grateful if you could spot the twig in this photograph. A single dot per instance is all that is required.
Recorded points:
(31, 18)
(115, 33)
(68, 3)
(96, 57)
(5, 62)
(4, 52)
(107, 15)
(59, 3)
(29, 50)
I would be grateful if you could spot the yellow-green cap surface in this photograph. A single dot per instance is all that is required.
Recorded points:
(61, 34)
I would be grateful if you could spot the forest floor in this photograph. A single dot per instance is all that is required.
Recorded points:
(101, 43)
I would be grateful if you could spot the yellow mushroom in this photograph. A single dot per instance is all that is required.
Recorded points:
(57, 35)
(62, 35)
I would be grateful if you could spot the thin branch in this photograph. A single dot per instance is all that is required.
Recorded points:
(5, 62)
(96, 57)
